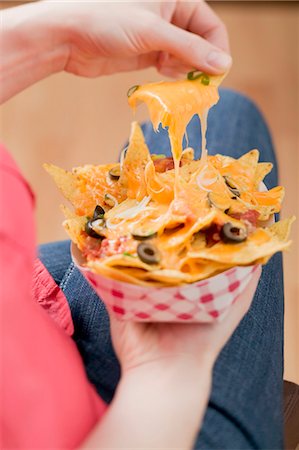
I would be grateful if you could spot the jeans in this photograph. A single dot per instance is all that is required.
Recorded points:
(245, 406)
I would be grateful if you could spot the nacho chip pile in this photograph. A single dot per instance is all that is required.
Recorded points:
(131, 225)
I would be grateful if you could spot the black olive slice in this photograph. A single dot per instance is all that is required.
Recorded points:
(98, 212)
(110, 200)
(93, 228)
(229, 182)
(233, 234)
(142, 235)
(148, 253)
(132, 90)
(89, 230)
(114, 173)
(234, 190)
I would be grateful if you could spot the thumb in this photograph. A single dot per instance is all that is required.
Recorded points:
(117, 331)
(189, 48)
(117, 326)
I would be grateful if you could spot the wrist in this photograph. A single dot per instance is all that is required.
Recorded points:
(181, 373)
(173, 365)
(158, 404)
(181, 385)
(171, 394)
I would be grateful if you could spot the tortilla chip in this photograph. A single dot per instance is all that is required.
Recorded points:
(93, 183)
(126, 276)
(183, 235)
(188, 153)
(273, 198)
(182, 212)
(64, 180)
(261, 171)
(258, 245)
(122, 260)
(187, 170)
(220, 161)
(169, 276)
(85, 187)
(241, 172)
(158, 185)
(173, 104)
(136, 158)
(282, 229)
(74, 226)
(250, 158)
(266, 203)
(199, 269)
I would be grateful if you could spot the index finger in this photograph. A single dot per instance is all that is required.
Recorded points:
(198, 18)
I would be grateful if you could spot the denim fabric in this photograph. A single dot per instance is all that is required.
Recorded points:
(245, 407)
(57, 258)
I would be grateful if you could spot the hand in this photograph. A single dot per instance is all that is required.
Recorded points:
(173, 36)
(139, 344)
(166, 379)
(99, 38)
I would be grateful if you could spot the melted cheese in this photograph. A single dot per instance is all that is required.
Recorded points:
(173, 104)
(176, 205)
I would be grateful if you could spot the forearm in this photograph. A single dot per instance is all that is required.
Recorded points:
(155, 408)
(33, 46)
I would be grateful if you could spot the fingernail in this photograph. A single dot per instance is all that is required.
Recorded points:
(219, 60)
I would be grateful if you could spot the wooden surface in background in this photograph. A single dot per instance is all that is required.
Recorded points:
(71, 121)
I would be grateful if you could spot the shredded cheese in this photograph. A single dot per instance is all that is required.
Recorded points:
(204, 182)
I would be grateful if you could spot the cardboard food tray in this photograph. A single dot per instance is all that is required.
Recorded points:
(204, 301)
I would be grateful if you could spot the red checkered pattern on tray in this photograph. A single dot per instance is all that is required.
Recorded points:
(203, 301)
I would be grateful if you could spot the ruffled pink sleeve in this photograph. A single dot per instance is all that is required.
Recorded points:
(46, 399)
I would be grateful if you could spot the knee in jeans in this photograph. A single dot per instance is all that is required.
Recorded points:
(56, 258)
(243, 106)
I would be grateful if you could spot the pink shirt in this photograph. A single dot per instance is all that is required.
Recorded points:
(46, 399)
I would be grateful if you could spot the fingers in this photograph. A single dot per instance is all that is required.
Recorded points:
(202, 20)
(236, 313)
(172, 67)
(116, 326)
(191, 49)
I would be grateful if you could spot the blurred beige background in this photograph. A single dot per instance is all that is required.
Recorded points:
(70, 121)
